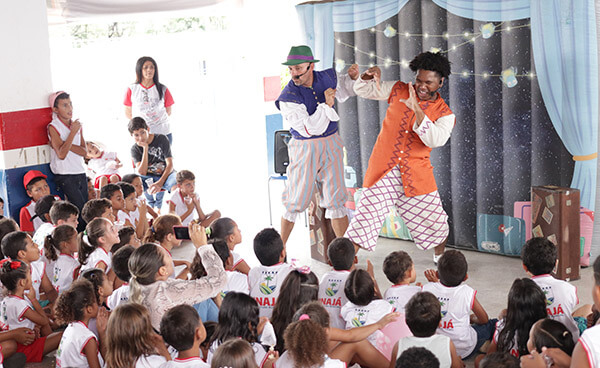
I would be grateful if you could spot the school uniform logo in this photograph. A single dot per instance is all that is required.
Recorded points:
(334, 286)
(548, 294)
(444, 305)
(360, 317)
(269, 284)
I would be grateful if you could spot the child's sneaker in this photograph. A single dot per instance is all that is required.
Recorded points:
(436, 258)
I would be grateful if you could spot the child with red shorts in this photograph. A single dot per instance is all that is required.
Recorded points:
(18, 309)
(105, 165)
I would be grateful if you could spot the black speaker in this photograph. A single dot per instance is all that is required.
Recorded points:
(282, 160)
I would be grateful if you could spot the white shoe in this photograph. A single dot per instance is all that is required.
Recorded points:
(436, 258)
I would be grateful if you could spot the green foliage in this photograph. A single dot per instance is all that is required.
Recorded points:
(83, 34)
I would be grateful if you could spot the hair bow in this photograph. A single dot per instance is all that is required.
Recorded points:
(305, 269)
(303, 317)
(13, 264)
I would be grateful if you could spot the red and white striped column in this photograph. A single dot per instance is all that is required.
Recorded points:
(25, 83)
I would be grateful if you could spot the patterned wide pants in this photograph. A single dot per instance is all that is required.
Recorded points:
(423, 215)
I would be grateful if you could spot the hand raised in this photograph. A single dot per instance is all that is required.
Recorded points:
(373, 73)
(353, 72)
(75, 125)
(411, 102)
(330, 96)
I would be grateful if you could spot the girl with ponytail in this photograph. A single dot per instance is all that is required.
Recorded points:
(60, 248)
(226, 229)
(94, 244)
(161, 232)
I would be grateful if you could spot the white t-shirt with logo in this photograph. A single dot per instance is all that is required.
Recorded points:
(333, 297)
(64, 272)
(561, 300)
(399, 295)
(456, 303)
(177, 198)
(358, 316)
(38, 270)
(12, 311)
(265, 282)
(146, 102)
(73, 341)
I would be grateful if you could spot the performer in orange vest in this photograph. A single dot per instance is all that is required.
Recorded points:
(400, 173)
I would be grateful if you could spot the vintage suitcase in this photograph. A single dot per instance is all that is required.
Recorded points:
(500, 234)
(321, 232)
(555, 216)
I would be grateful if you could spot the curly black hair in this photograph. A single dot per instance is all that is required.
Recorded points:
(431, 61)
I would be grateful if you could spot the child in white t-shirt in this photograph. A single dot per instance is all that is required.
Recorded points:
(363, 309)
(60, 249)
(120, 260)
(265, 280)
(342, 258)
(105, 165)
(78, 347)
(185, 203)
(95, 244)
(539, 257)
(399, 268)
(182, 329)
(131, 215)
(20, 309)
(236, 281)
(457, 300)
(423, 315)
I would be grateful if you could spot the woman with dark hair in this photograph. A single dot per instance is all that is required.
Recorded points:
(149, 99)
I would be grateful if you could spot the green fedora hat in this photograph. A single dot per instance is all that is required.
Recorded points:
(299, 55)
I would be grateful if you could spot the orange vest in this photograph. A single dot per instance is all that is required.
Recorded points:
(398, 145)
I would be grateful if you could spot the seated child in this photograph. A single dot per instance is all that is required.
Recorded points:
(423, 315)
(120, 260)
(181, 328)
(42, 211)
(60, 249)
(61, 213)
(417, 358)
(92, 192)
(18, 246)
(457, 301)
(539, 257)
(226, 228)
(153, 161)
(68, 151)
(102, 286)
(550, 333)
(16, 311)
(363, 309)
(236, 353)
(136, 181)
(127, 236)
(400, 270)
(185, 203)
(130, 215)
(98, 208)
(79, 346)
(331, 289)
(238, 319)
(131, 341)
(306, 345)
(95, 243)
(36, 187)
(161, 232)
(526, 305)
(266, 279)
(113, 193)
(105, 165)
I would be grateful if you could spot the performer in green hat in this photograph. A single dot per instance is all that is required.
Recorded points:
(316, 150)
